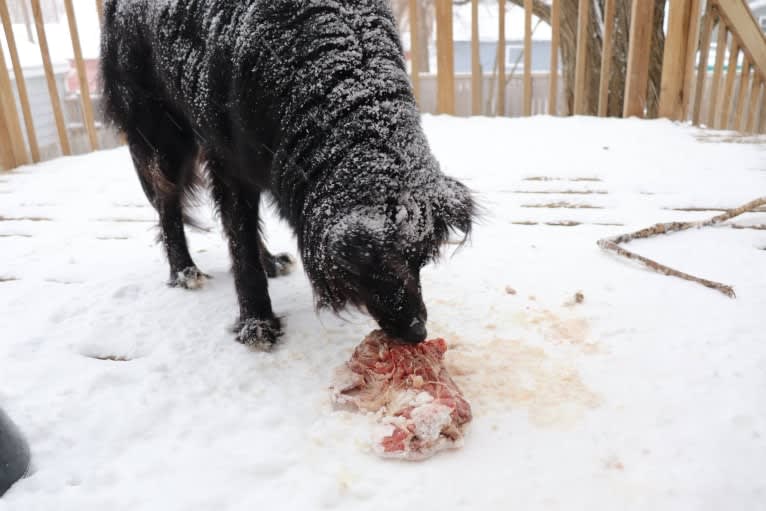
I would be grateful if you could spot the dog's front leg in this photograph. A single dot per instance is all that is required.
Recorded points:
(238, 206)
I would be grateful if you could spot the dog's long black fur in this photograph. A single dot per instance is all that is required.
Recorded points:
(307, 101)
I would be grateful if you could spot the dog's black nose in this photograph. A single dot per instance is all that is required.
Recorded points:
(416, 332)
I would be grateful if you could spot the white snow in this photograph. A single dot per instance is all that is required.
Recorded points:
(649, 395)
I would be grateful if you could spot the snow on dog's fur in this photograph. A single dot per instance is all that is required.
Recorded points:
(307, 101)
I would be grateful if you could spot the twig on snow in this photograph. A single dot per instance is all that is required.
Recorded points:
(613, 244)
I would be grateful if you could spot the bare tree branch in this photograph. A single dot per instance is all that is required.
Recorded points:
(667, 228)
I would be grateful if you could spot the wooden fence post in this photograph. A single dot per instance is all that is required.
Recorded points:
(21, 85)
(527, 58)
(445, 58)
(699, 89)
(553, 90)
(674, 60)
(755, 93)
(637, 79)
(500, 110)
(744, 88)
(14, 149)
(100, 10)
(87, 104)
(691, 54)
(606, 58)
(731, 76)
(720, 55)
(50, 77)
(477, 81)
(415, 48)
(581, 65)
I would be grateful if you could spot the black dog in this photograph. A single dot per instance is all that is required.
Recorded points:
(308, 101)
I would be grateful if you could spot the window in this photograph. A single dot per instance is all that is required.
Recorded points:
(762, 22)
(514, 53)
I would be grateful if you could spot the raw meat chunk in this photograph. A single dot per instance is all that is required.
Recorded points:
(421, 409)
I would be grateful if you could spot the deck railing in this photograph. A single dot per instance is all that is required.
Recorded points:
(726, 96)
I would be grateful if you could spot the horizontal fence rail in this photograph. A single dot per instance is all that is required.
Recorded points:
(706, 65)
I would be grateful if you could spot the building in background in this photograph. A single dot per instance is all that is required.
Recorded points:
(759, 11)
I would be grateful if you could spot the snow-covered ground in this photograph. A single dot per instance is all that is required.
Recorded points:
(649, 395)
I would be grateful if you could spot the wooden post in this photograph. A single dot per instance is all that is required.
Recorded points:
(21, 85)
(100, 9)
(731, 75)
(414, 48)
(7, 158)
(755, 93)
(691, 53)
(637, 80)
(501, 58)
(720, 54)
(553, 90)
(606, 59)
(445, 58)
(14, 151)
(87, 104)
(581, 65)
(477, 81)
(50, 77)
(674, 60)
(699, 89)
(744, 85)
(527, 58)
(758, 127)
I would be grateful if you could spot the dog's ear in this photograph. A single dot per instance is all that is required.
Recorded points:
(455, 207)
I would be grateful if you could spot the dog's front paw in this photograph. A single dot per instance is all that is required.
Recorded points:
(260, 334)
(279, 265)
(189, 278)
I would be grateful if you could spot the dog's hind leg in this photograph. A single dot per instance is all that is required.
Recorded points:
(238, 207)
(164, 153)
(275, 265)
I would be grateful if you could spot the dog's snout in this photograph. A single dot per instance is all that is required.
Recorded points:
(416, 332)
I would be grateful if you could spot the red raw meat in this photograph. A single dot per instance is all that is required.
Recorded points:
(422, 408)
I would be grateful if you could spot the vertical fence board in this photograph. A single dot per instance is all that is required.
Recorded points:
(415, 48)
(553, 89)
(720, 54)
(637, 79)
(476, 71)
(21, 84)
(445, 57)
(758, 127)
(87, 104)
(744, 85)
(15, 152)
(100, 9)
(581, 64)
(527, 58)
(500, 110)
(731, 75)
(606, 58)
(754, 93)
(699, 89)
(695, 23)
(7, 158)
(50, 77)
(674, 63)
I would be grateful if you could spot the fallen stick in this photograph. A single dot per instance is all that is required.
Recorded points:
(613, 244)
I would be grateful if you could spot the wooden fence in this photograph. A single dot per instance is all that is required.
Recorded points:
(731, 97)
